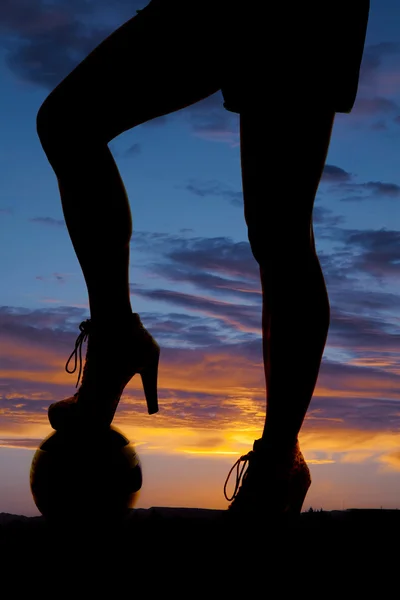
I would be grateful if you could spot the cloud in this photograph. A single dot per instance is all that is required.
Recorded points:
(226, 271)
(48, 221)
(57, 277)
(215, 189)
(373, 59)
(210, 442)
(210, 121)
(219, 254)
(375, 106)
(379, 83)
(335, 174)
(335, 180)
(15, 319)
(27, 16)
(325, 217)
(27, 443)
(391, 460)
(343, 183)
(227, 275)
(376, 253)
(133, 150)
(211, 369)
(44, 42)
(230, 314)
(377, 189)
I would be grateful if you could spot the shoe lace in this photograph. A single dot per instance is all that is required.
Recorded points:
(82, 337)
(241, 472)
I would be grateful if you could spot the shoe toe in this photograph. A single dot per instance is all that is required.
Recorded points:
(61, 414)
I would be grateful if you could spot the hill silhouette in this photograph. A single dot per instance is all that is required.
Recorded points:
(170, 549)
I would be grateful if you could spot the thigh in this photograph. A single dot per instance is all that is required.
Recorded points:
(282, 158)
(162, 60)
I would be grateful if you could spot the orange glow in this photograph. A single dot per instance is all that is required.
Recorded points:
(211, 411)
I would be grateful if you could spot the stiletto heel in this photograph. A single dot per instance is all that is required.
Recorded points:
(149, 379)
(298, 495)
(97, 399)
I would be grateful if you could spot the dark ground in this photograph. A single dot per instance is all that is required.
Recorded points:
(162, 547)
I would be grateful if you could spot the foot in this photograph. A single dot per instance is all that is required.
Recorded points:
(115, 353)
(273, 486)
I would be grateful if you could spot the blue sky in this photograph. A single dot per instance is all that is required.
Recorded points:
(194, 280)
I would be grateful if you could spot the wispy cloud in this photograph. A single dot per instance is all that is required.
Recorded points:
(55, 277)
(48, 221)
(214, 188)
(211, 338)
(333, 173)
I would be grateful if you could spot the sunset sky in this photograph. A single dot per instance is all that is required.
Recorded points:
(194, 280)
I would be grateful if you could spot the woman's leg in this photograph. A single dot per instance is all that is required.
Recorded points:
(138, 73)
(282, 163)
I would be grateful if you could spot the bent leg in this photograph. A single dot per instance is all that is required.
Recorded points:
(136, 74)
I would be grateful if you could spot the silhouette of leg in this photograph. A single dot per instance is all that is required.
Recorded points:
(135, 75)
(287, 153)
(286, 146)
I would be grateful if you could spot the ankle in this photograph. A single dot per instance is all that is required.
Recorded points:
(109, 314)
(111, 321)
(279, 449)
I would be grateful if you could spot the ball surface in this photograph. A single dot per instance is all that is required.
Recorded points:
(85, 475)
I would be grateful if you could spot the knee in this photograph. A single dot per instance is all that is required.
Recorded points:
(264, 244)
(59, 119)
(276, 246)
(258, 246)
(48, 120)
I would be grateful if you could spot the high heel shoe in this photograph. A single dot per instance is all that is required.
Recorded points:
(269, 488)
(97, 399)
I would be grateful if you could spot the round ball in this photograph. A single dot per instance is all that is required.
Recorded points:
(85, 475)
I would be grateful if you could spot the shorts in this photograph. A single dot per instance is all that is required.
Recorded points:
(306, 53)
(303, 53)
